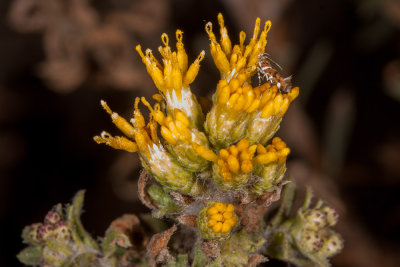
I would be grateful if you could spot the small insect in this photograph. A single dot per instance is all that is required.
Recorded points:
(267, 69)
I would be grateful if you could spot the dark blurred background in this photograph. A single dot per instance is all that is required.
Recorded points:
(58, 58)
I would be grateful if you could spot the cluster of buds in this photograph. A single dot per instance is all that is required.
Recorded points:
(50, 240)
(53, 228)
(60, 239)
(308, 232)
(313, 234)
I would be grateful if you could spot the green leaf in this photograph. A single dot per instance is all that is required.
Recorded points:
(181, 261)
(307, 199)
(74, 221)
(200, 257)
(235, 251)
(30, 256)
(156, 225)
(277, 246)
(83, 259)
(288, 197)
(164, 200)
(110, 245)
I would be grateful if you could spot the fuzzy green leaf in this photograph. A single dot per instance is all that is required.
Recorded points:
(200, 257)
(181, 261)
(30, 256)
(288, 197)
(235, 251)
(110, 245)
(79, 233)
(156, 225)
(164, 200)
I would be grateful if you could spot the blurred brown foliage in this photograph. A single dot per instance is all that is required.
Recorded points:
(81, 44)
(343, 130)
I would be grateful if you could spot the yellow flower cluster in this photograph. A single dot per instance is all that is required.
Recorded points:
(232, 144)
(236, 158)
(118, 142)
(241, 111)
(175, 74)
(220, 217)
(239, 96)
(173, 77)
(277, 151)
(172, 128)
(231, 147)
(230, 61)
(144, 135)
(155, 158)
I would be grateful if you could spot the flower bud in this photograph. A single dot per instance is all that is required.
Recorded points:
(52, 217)
(269, 177)
(270, 166)
(30, 233)
(332, 216)
(225, 127)
(167, 171)
(216, 220)
(265, 120)
(315, 220)
(310, 241)
(56, 253)
(45, 232)
(332, 245)
(233, 167)
(61, 232)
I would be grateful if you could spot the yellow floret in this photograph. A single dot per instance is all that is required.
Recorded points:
(217, 227)
(271, 153)
(205, 152)
(224, 154)
(227, 215)
(218, 217)
(220, 206)
(211, 223)
(243, 144)
(236, 158)
(230, 208)
(174, 74)
(226, 227)
(212, 211)
(120, 122)
(118, 142)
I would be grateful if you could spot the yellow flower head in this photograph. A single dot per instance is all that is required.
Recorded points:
(241, 110)
(220, 217)
(216, 220)
(173, 77)
(231, 61)
(154, 156)
(181, 140)
(277, 151)
(270, 166)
